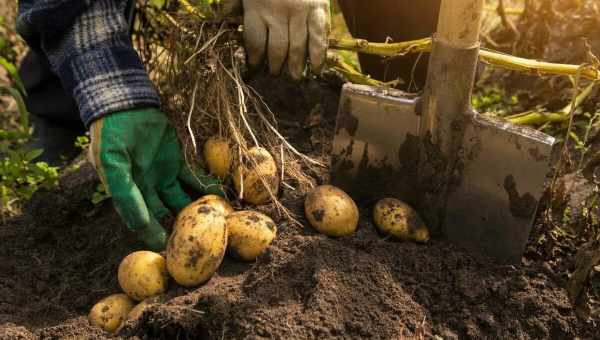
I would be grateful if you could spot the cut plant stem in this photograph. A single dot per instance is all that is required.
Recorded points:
(337, 64)
(491, 57)
(381, 49)
(539, 117)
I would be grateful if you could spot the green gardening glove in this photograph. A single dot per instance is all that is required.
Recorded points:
(139, 160)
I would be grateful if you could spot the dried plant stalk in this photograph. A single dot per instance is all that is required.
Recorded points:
(205, 95)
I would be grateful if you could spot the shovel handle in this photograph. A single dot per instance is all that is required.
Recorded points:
(459, 23)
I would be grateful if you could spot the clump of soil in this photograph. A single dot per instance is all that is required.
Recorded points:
(61, 256)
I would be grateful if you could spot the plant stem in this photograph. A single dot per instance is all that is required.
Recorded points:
(491, 57)
(350, 73)
(381, 49)
(191, 9)
(539, 117)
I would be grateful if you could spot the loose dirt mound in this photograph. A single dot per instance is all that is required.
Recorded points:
(61, 256)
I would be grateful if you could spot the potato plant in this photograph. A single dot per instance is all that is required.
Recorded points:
(20, 175)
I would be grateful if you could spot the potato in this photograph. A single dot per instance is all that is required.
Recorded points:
(216, 202)
(110, 312)
(217, 155)
(139, 309)
(247, 177)
(143, 274)
(396, 218)
(250, 234)
(197, 246)
(331, 211)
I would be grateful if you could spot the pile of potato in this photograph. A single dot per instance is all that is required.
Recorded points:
(255, 178)
(203, 232)
(142, 276)
(209, 227)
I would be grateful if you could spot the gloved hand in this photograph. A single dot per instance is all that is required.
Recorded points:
(285, 29)
(139, 160)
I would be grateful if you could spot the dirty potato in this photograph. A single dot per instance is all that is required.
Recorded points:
(216, 202)
(331, 211)
(143, 274)
(217, 155)
(139, 309)
(249, 175)
(250, 234)
(110, 312)
(396, 218)
(197, 246)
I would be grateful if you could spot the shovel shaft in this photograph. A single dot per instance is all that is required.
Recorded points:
(460, 22)
(446, 103)
(451, 74)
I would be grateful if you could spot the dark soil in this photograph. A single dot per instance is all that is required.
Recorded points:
(60, 256)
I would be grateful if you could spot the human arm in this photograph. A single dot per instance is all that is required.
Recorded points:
(136, 150)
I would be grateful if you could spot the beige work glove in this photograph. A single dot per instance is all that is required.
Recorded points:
(289, 30)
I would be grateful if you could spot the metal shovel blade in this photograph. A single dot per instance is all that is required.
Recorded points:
(503, 178)
(372, 126)
(503, 169)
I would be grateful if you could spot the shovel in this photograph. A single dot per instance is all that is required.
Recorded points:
(475, 179)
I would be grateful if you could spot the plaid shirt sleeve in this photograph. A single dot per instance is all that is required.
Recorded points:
(88, 46)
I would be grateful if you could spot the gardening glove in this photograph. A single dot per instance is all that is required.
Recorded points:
(285, 29)
(138, 158)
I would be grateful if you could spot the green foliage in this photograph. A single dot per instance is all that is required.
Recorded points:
(21, 177)
(494, 100)
(100, 195)
(82, 142)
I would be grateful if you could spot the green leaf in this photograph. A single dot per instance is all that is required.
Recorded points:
(33, 154)
(14, 74)
(24, 114)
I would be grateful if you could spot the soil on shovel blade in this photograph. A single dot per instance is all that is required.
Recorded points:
(61, 256)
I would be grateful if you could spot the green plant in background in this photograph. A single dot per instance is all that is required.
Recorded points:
(100, 195)
(82, 142)
(494, 100)
(20, 175)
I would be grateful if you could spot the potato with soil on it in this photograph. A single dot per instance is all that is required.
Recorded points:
(110, 312)
(331, 211)
(143, 274)
(137, 311)
(197, 246)
(217, 155)
(396, 218)
(217, 202)
(250, 234)
(249, 175)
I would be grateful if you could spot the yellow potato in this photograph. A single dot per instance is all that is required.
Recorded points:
(110, 312)
(247, 177)
(396, 218)
(250, 234)
(139, 309)
(143, 274)
(216, 202)
(217, 155)
(331, 211)
(197, 246)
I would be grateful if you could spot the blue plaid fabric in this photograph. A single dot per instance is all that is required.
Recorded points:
(88, 46)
